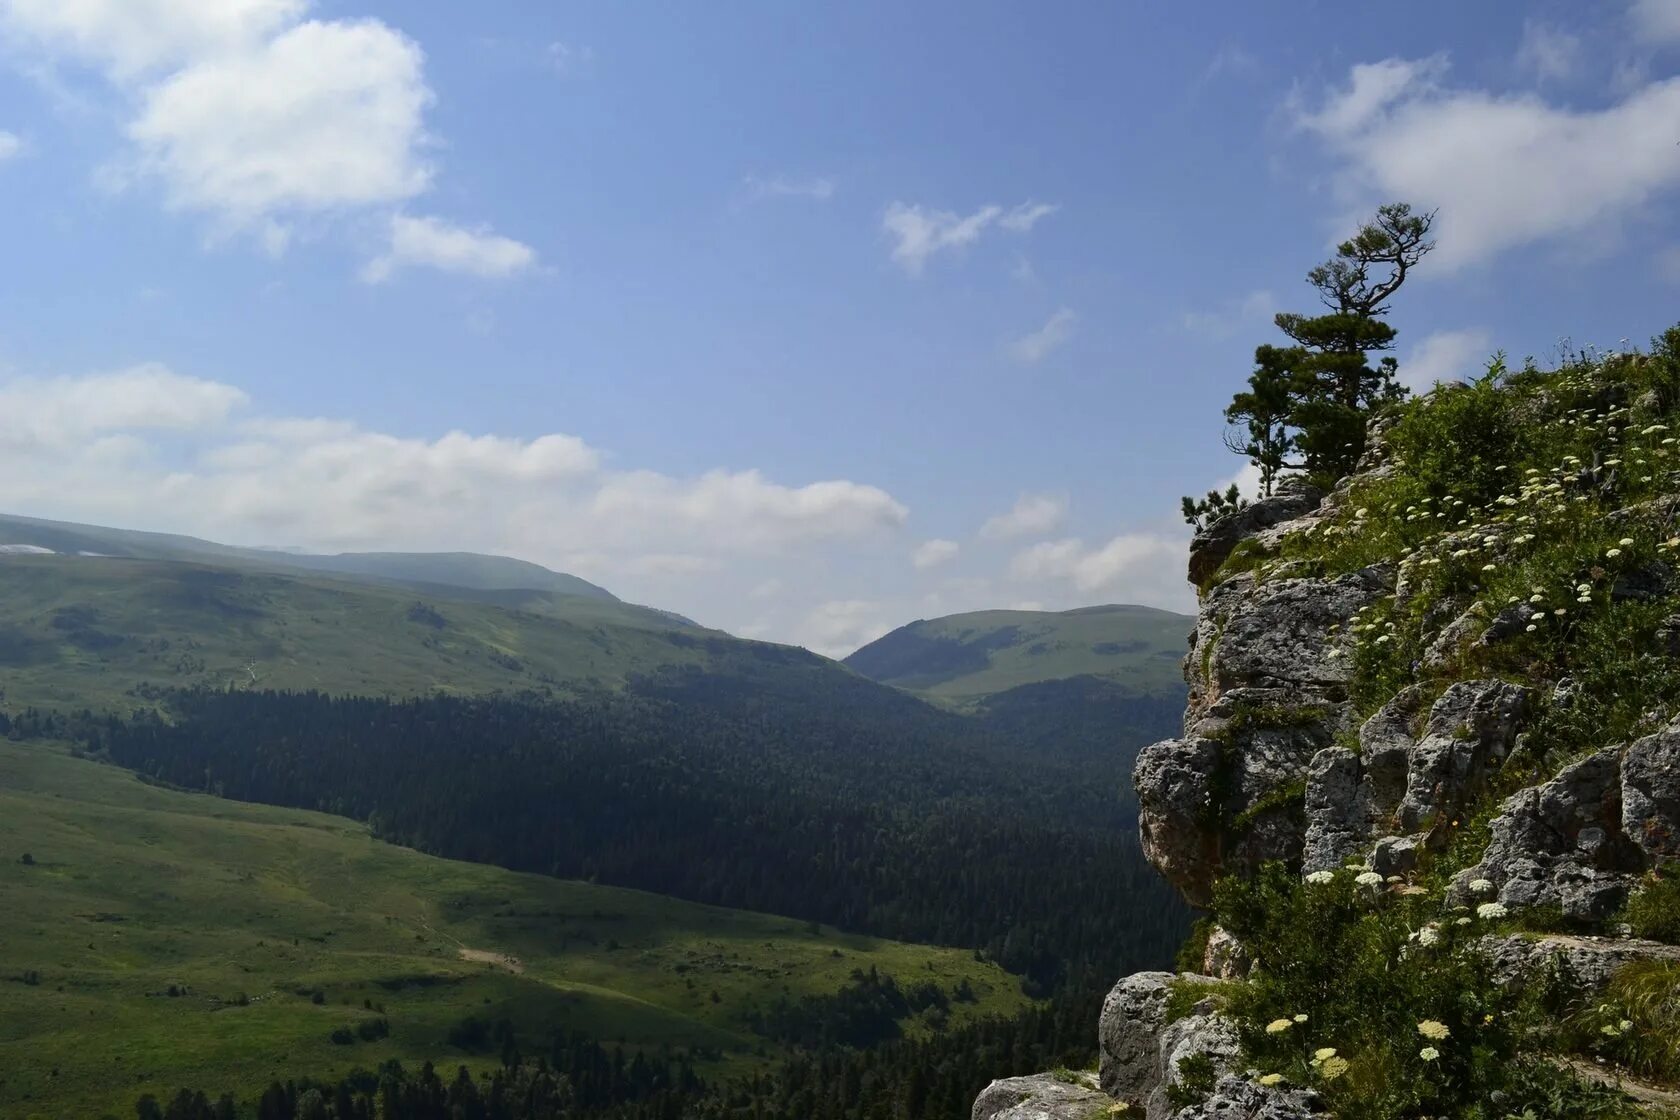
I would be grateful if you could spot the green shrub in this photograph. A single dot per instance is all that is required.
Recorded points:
(1654, 909)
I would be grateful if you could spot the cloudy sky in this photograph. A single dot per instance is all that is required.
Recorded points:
(804, 323)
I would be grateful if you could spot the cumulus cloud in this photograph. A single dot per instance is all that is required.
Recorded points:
(435, 243)
(257, 118)
(1444, 356)
(1505, 170)
(133, 36)
(931, 554)
(1035, 347)
(1137, 567)
(322, 117)
(62, 413)
(1031, 514)
(836, 628)
(919, 232)
(10, 145)
(197, 456)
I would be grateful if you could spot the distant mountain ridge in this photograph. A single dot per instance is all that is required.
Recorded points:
(965, 658)
(468, 570)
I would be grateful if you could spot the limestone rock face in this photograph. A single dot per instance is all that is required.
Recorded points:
(1209, 548)
(1128, 1036)
(1283, 633)
(1235, 1098)
(1471, 729)
(1562, 843)
(1207, 1034)
(1268, 691)
(1043, 1096)
(1589, 961)
(1651, 794)
(1225, 958)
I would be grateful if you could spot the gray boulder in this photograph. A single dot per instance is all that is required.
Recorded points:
(1589, 961)
(1237, 1098)
(1128, 1036)
(1284, 633)
(1043, 1096)
(1651, 794)
(1471, 730)
(1210, 547)
(1561, 843)
(1203, 1034)
(1177, 826)
(1137, 1048)
(1352, 796)
(1225, 958)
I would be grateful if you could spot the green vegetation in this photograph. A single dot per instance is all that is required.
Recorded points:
(112, 634)
(159, 938)
(467, 571)
(1372, 997)
(966, 659)
(1312, 399)
(1534, 507)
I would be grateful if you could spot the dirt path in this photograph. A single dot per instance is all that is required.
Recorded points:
(485, 956)
(1662, 1102)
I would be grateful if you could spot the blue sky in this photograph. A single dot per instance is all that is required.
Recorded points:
(805, 321)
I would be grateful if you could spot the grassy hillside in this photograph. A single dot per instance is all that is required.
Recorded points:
(132, 889)
(107, 633)
(467, 570)
(963, 658)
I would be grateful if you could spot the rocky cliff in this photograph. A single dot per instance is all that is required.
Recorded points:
(1431, 749)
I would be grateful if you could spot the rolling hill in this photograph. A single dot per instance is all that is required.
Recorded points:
(964, 659)
(151, 938)
(1092, 685)
(469, 571)
(102, 632)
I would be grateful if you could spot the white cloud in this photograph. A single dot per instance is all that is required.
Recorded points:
(1657, 21)
(931, 554)
(1547, 52)
(1031, 514)
(818, 189)
(10, 145)
(1256, 307)
(836, 628)
(258, 118)
(919, 233)
(1141, 567)
(1444, 356)
(434, 243)
(64, 412)
(1035, 347)
(1504, 170)
(1025, 216)
(147, 439)
(323, 117)
(131, 36)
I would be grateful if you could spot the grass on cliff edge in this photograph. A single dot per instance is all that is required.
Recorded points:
(1547, 500)
(132, 889)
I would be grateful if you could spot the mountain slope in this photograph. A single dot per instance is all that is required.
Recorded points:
(964, 658)
(1092, 685)
(142, 915)
(467, 570)
(98, 631)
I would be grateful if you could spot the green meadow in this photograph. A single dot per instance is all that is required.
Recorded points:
(247, 912)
